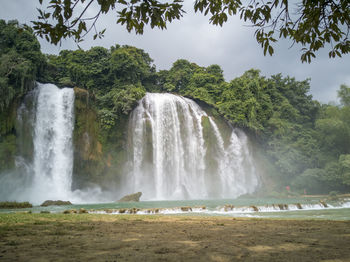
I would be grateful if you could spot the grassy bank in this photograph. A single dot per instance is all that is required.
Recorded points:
(7, 205)
(28, 219)
(81, 237)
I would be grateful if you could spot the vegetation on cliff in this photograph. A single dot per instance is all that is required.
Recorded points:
(21, 62)
(107, 83)
(305, 143)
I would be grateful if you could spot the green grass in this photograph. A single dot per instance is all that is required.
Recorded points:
(15, 219)
(58, 224)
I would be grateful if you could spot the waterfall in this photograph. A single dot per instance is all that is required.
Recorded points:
(45, 122)
(53, 149)
(174, 153)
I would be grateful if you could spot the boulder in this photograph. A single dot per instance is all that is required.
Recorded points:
(323, 203)
(299, 206)
(70, 211)
(254, 208)
(228, 207)
(83, 211)
(283, 206)
(133, 210)
(55, 203)
(186, 209)
(131, 198)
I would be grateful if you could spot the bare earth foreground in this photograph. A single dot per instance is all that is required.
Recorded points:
(87, 237)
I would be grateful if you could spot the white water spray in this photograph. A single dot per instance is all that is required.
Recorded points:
(44, 166)
(169, 156)
(53, 149)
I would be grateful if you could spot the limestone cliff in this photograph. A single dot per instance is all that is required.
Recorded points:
(98, 155)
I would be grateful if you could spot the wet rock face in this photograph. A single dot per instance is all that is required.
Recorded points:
(281, 206)
(254, 208)
(70, 211)
(186, 209)
(131, 198)
(228, 207)
(323, 203)
(83, 211)
(55, 203)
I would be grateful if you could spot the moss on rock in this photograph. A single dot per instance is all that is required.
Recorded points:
(131, 198)
(55, 203)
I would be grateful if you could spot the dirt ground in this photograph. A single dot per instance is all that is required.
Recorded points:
(171, 238)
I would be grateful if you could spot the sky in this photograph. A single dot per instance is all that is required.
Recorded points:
(193, 38)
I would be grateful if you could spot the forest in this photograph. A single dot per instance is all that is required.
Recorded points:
(302, 143)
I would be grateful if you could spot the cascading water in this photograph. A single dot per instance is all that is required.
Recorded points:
(45, 125)
(176, 151)
(53, 149)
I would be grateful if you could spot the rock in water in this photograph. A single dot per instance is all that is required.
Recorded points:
(323, 203)
(55, 203)
(254, 208)
(83, 211)
(131, 198)
(186, 209)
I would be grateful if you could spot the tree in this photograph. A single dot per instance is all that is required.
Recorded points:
(344, 161)
(314, 24)
(344, 95)
(130, 64)
(245, 103)
(334, 130)
(181, 73)
(20, 62)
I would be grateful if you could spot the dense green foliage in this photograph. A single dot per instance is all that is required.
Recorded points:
(313, 24)
(116, 77)
(305, 144)
(21, 62)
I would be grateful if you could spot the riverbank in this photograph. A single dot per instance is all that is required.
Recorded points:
(73, 237)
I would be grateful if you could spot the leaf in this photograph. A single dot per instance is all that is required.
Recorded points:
(270, 50)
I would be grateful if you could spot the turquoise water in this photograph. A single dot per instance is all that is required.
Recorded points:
(312, 209)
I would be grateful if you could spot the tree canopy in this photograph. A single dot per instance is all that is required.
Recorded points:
(21, 63)
(314, 24)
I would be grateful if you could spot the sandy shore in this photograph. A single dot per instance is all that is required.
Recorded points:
(56, 237)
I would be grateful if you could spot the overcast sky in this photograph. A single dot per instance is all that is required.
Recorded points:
(232, 46)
